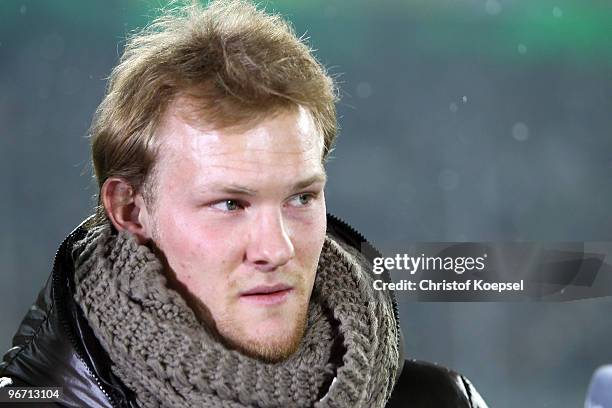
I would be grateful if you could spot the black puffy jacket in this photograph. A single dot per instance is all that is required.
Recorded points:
(54, 346)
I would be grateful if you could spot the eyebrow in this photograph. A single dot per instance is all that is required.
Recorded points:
(242, 190)
(317, 178)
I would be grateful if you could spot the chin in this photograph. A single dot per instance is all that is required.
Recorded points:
(270, 341)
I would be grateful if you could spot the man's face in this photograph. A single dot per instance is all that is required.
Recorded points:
(239, 215)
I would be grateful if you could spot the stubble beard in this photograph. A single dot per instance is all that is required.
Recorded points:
(268, 350)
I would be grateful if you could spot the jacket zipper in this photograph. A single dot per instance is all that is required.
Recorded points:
(67, 327)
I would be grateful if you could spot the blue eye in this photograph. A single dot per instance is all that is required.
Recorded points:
(302, 200)
(227, 205)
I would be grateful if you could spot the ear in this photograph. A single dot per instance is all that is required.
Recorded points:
(126, 209)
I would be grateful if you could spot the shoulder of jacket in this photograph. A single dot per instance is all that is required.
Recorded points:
(54, 346)
(426, 385)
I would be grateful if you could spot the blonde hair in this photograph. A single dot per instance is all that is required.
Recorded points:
(237, 64)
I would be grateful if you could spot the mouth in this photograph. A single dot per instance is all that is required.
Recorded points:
(265, 295)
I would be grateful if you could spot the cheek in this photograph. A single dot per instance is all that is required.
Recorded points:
(201, 256)
(308, 238)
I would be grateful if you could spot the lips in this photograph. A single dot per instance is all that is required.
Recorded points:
(264, 289)
(266, 295)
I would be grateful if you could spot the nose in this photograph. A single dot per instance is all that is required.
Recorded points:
(270, 243)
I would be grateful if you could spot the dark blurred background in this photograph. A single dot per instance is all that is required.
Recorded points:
(462, 120)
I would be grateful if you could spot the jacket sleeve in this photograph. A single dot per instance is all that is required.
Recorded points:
(426, 385)
(44, 356)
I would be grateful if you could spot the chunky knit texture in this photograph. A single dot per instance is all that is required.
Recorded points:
(347, 358)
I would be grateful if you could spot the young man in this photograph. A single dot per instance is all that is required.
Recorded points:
(212, 275)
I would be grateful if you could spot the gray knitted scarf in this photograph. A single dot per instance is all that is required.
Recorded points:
(348, 356)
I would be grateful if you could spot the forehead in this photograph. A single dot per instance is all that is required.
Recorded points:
(286, 141)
